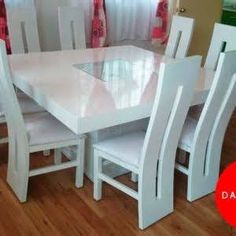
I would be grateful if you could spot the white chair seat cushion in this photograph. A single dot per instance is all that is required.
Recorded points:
(126, 148)
(28, 105)
(187, 134)
(43, 128)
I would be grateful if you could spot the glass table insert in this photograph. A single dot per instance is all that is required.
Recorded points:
(108, 70)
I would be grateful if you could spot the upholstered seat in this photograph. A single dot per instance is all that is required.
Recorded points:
(28, 105)
(43, 128)
(127, 148)
(187, 134)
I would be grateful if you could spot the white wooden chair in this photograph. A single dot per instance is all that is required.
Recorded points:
(24, 38)
(180, 37)
(223, 39)
(71, 28)
(203, 138)
(152, 155)
(23, 30)
(33, 133)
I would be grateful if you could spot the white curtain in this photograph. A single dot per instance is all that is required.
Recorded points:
(128, 19)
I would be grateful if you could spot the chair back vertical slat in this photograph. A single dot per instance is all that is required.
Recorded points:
(214, 120)
(216, 139)
(173, 98)
(223, 39)
(18, 141)
(23, 30)
(71, 28)
(180, 37)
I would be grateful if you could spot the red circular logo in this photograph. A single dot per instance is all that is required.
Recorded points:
(226, 194)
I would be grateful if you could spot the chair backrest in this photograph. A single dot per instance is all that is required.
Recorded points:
(217, 111)
(180, 37)
(23, 30)
(71, 28)
(173, 98)
(223, 40)
(18, 140)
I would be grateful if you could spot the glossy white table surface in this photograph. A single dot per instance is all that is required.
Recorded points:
(85, 103)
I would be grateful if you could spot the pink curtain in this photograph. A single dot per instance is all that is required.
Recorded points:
(99, 30)
(3, 25)
(160, 30)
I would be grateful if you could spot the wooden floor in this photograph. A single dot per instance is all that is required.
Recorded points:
(56, 207)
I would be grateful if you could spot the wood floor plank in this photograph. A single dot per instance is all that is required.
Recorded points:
(14, 221)
(39, 219)
(62, 217)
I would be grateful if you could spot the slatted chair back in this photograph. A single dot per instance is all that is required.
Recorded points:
(173, 98)
(211, 127)
(71, 28)
(18, 141)
(23, 30)
(223, 40)
(180, 37)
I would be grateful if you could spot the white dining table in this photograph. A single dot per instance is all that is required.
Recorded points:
(94, 89)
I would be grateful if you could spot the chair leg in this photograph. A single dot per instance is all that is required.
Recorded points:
(23, 191)
(18, 170)
(79, 178)
(18, 183)
(46, 153)
(203, 174)
(97, 191)
(134, 177)
(57, 156)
